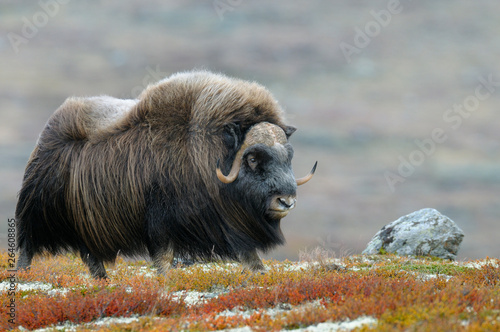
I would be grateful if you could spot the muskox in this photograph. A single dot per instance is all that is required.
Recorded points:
(199, 166)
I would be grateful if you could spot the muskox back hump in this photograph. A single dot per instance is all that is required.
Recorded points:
(105, 111)
(84, 118)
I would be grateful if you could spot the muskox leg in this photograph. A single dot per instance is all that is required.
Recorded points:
(25, 257)
(95, 265)
(163, 259)
(252, 261)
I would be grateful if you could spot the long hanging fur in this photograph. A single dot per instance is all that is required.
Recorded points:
(110, 175)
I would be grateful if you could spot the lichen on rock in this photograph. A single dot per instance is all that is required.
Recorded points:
(422, 233)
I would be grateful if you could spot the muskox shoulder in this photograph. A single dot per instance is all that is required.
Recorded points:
(105, 112)
(81, 118)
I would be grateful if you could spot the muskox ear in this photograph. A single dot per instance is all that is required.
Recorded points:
(232, 135)
(289, 130)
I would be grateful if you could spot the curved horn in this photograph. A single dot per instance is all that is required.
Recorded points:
(263, 133)
(235, 169)
(308, 177)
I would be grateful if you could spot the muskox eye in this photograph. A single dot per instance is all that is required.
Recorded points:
(252, 161)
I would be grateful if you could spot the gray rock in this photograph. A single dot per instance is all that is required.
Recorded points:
(422, 233)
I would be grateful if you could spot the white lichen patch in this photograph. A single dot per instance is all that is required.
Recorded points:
(347, 325)
(479, 264)
(192, 298)
(430, 276)
(283, 309)
(24, 287)
(68, 326)
(114, 320)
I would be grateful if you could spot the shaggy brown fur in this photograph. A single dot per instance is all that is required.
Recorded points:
(110, 175)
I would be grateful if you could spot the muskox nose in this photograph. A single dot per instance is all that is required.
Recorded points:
(287, 202)
(280, 206)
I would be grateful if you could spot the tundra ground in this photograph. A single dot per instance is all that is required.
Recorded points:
(319, 293)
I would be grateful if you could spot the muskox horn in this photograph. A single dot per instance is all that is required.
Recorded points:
(308, 177)
(235, 169)
(261, 133)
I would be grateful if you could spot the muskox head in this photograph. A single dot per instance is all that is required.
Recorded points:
(262, 171)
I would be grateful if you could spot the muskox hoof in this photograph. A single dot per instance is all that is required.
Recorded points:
(24, 259)
(23, 268)
(255, 272)
(98, 273)
(252, 262)
(101, 278)
(94, 264)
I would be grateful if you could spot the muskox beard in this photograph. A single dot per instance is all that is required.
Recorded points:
(249, 225)
(210, 229)
(249, 229)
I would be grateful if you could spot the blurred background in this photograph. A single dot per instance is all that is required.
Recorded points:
(397, 100)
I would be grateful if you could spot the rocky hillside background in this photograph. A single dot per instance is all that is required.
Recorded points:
(397, 101)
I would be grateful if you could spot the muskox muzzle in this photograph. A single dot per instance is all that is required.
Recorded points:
(268, 134)
(281, 205)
